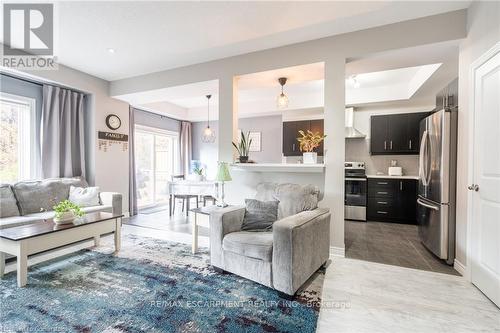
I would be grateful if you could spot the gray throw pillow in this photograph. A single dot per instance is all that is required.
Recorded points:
(8, 202)
(259, 215)
(35, 196)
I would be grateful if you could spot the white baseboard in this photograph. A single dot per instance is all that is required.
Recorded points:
(337, 251)
(459, 267)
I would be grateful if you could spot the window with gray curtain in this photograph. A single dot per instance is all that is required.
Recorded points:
(62, 133)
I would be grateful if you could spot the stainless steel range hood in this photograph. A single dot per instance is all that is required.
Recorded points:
(350, 131)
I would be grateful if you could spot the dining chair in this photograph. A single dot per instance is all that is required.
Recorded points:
(186, 198)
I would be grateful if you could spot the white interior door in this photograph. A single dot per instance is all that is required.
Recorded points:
(485, 189)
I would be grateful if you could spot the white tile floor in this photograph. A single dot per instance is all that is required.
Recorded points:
(384, 298)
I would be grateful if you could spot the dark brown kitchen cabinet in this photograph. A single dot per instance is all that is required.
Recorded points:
(396, 134)
(291, 133)
(392, 200)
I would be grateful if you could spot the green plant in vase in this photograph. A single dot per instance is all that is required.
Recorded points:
(198, 172)
(243, 147)
(66, 211)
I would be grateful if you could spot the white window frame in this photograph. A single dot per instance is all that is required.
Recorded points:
(26, 157)
(175, 152)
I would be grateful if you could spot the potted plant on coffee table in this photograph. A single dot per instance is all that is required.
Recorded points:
(309, 141)
(243, 147)
(66, 212)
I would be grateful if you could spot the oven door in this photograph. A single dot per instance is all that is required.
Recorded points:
(355, 192)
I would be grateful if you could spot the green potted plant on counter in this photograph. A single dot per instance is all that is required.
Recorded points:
(308, 143)
(243, 147)
(66, 212)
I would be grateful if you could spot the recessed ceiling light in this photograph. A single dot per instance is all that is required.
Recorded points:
(110, 50)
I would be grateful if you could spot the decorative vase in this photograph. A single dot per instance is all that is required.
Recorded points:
(66, 218)
(243, 159)
(310, 158)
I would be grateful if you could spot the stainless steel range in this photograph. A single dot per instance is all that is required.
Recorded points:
(355, 191)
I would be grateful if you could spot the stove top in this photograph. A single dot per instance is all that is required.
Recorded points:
(355, 169)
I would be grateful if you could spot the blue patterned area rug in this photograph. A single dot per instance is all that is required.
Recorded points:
(151, 286)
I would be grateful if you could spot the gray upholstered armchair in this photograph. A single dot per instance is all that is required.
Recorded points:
(283, 258)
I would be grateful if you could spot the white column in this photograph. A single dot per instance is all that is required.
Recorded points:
(228, 117)
(335, 148)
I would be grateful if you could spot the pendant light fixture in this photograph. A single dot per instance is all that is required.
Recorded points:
(282, 100)
(208, 133)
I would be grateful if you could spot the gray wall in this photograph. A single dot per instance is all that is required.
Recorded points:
(271, 128)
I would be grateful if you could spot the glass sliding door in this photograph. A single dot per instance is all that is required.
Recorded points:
(156, 160)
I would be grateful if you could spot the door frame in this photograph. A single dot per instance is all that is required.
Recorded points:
(472, 125)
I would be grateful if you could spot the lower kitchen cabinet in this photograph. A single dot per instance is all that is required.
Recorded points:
(392, 200)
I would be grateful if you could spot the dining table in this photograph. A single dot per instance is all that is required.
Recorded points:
(190, 187)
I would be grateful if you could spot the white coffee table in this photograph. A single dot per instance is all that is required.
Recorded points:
(33, 238)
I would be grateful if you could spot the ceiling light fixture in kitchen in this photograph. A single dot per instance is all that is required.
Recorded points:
(353, 80)
(208, 133)
(282, 100)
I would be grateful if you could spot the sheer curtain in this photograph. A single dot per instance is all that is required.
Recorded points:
(185, 150)
(62, 133)
(132, 190)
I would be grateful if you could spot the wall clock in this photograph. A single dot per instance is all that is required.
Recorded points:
(113, 121)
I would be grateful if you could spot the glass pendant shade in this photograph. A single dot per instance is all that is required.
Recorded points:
(282, 101)
(208, 133)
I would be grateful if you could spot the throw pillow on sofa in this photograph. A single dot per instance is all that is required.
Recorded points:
(8, 202)
(35, 196)
(84, 196)
(259, 215)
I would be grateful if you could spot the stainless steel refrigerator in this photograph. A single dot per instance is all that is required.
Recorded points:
(437, 183)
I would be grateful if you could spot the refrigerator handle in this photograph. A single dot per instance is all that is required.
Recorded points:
(422, 203)
(423, 155)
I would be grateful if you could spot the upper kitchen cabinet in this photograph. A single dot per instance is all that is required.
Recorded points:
(396, 134)
(291, 133)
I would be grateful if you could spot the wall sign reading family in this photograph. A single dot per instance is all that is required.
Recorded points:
(108, 139)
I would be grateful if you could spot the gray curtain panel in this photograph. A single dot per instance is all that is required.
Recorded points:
(185, 150)
(62, 133)
(132, 187)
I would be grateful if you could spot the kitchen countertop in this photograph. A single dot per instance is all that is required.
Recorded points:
(395, 177)
(279, 167)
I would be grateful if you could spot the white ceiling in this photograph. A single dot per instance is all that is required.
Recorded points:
(424, 70)
(154, 36)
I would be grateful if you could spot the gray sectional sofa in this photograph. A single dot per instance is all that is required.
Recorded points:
(31, 201)
(283, 258)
